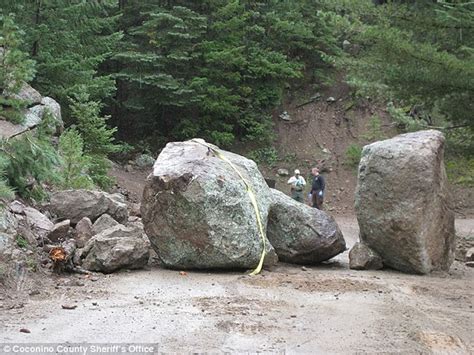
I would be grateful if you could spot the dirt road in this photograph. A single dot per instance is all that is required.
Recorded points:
(328, 309)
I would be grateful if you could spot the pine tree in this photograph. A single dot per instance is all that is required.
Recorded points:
(97, 138)
(15, 69)
(69, 40)
(421, 53)
(74, 170)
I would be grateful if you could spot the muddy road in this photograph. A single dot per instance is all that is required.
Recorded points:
(293, 309)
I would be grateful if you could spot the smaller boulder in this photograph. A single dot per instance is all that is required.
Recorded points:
(84, 232)
(361, 257)
(301, 234)
(103, 222)
(40, 225)
(59, 231)
(116, 248)
(76, 204)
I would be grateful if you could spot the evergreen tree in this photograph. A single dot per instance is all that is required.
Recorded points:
(215, 68)
(69, 40)
(15, 69)
(98, 140)
(421, 54)
(74, 170)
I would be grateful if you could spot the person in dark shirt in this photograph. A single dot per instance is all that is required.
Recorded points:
(317, 189)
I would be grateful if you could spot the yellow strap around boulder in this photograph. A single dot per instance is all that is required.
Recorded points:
(251, 194)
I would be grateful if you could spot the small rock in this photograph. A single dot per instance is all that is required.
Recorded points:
(346, 45)
(24, 330)
(361, 257)
(83, 232)
(283, 172)
(470, 254)
(304, 268)
(34, 293)
(330, 99)
(69, 306)
(285, 116)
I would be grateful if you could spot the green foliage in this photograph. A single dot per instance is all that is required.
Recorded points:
(419, 53)
(353, 155)
(374, 130)
(267, 156)
(97, 138)
(31, 162)
(6, 192)
(15, 69)
(74, 169)
(215, 69)
(460, 170)
(69, 40)
(21, 241)
(402, 120)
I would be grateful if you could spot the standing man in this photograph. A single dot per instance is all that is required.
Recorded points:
(297, 183)
(317, 189)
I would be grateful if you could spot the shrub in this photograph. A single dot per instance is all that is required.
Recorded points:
(267, 156)
(353, 155)
(74, 170)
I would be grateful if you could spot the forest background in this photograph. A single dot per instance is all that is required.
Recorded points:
(132, 75)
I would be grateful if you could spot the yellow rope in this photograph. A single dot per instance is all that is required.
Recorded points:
(251, 194)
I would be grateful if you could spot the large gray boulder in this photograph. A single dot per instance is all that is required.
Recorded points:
(76, 204)
(116, 248)
(197, 212)
(301, 234)
(402, 202)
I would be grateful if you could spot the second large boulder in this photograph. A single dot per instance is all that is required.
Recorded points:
(196, 209)
(301, 234)
(402, 202)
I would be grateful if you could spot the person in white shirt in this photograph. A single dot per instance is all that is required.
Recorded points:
(297, 183)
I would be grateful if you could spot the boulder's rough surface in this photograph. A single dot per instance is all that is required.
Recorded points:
(40, 225)
(59, 231)
(402, 202)
(470, 254)
(83, 232)
(8, 225)
(116, 248)
(102, 223)
(301, 234)
(197, 212)
(28, 94)
(76, 204)
(361, 257)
